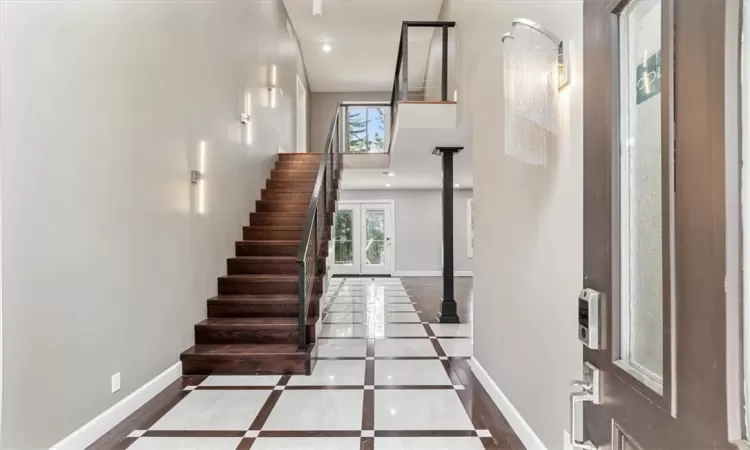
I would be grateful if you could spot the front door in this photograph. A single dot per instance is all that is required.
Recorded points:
(376, 242)
(653, 309)
(363, 239)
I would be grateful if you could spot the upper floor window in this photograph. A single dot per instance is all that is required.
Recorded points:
(367, 128)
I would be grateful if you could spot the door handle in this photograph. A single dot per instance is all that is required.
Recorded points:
(589, 392)
(578, 397)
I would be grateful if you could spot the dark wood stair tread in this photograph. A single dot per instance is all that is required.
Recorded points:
(271, 242)
(239, 350)
(256, 298)
(275, 277)
(283, 213)
(253, 322)
(277, 227)
(266, 259)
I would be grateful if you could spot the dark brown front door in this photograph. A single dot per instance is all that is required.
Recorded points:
(654, 223)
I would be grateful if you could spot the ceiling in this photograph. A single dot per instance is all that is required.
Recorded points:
(364, 36)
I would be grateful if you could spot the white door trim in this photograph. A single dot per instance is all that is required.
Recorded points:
(392, 224)
(301, 118)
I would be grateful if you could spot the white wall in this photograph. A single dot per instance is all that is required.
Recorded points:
(528, 221)
(106, 263)
(419, 229)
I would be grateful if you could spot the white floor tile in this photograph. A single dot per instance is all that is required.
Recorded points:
(343, 330)
(452, 329)
(174, 443)
(428, 443)
(399, 307)
(333, 373)
(410, 372)
(241, 380)
(404, 330)
(348, 299)
(404, 347)
(306, 443)
(398, 317)
(376, 330)
(420, 410)
(348, 307)
(214, 410)
(317, 410)
(344, 317)
(397, 299)
(457, 347)
(339, 348)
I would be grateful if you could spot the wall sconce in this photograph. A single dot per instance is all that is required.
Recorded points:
(197, 177)
(535, 69)
(272, 88)
(563, 49)
(246, 118)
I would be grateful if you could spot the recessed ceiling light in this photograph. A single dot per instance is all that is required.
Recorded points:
(456, 185)
(327, 48)
(389, 174)
(387, 185)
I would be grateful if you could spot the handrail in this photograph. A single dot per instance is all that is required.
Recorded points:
(318, 182)
(325, 180)
(401, 47)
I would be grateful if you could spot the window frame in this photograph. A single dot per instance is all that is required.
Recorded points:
(387, 122)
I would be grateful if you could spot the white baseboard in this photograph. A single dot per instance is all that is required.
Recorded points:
(430, 273)
(524, 431)
(101, 424)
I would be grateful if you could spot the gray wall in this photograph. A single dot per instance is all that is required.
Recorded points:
(323, 106)
(106, 262)
(418, 223)
(528, 257)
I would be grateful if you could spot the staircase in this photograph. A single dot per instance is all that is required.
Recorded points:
(253, 324)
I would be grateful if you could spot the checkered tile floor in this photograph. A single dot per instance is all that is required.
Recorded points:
(385, 379)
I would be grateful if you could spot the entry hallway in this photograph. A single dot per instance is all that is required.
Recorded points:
(387, 377)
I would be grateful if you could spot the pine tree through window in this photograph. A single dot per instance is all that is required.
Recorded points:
(366, 130)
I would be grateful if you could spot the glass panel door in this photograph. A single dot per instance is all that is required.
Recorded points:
(642, 199)
(346, 258)
(376, 239)
(362, 239)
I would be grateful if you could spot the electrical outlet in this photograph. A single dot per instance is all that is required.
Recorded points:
(116, 382)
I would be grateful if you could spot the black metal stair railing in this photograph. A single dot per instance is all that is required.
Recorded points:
(400, 90)
(313, 247)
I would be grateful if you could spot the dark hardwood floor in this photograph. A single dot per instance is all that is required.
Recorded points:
(427, 292)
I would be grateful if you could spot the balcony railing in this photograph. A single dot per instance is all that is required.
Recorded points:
(425, 66)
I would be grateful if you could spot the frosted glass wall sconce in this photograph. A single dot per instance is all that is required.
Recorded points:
(563, 49)
(535, 69)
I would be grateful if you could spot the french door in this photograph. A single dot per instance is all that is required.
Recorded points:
(652, 315)
(363, 238)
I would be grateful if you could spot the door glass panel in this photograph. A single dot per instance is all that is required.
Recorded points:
(375, 237)
(343, 238)
(641, 181)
